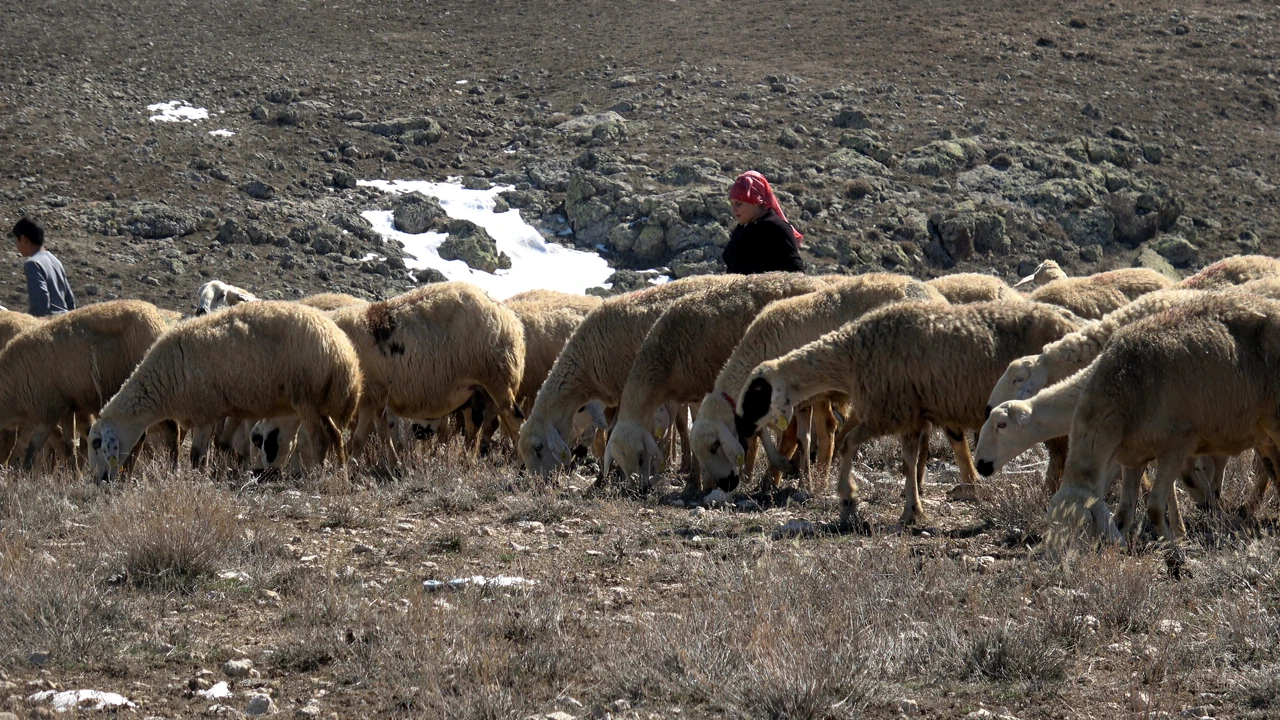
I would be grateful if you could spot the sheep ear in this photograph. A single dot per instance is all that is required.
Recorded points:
(595, 409)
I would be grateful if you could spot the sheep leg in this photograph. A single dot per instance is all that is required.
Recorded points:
(964, 458)
(39, 435)
(804, 420)
(913, 513)
(200, 444)
(1057, 449)
(8, 440)
(846, 486)
(682, 430)
(824, 427)
(1168, 467)
(1130, 483)
(1266, 464)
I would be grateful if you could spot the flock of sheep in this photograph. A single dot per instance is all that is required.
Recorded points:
(1111, 372)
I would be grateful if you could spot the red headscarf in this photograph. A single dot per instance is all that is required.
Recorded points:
(752, 187)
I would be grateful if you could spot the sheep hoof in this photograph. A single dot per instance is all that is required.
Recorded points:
(850, 521)
(912, 517)
(1176, 561)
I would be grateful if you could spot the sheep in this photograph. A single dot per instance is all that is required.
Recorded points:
(899, 365)
(1045, 273)
(549, 318)
(962, 288)
(254, 360)
(12, 323)
(1195, 379)
(71, 364)
(682, 355)
(425, 352)
(593, 366)
(331, 301)
(1094, 296)
(780, 328)
(1027, 375)
(216, 294)
(1235, 270)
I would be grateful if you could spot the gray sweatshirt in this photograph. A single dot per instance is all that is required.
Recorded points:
(48, 291)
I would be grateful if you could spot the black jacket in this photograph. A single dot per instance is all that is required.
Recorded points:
(762, 245)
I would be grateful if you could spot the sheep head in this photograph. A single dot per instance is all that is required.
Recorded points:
(1045, 273)
(541, 447)
(1012, 384)
(1075, 511)
(216, 294)
(633, 448)
(715, 445)
(766, 396)
(1001, 438)
(105, 454)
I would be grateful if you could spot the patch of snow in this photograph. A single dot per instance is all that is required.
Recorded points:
(221, 133)
(372, 256)
(177, 111)
(461, 82)
(480, 581)
(69, 700)
(220, 691)
(535, 263)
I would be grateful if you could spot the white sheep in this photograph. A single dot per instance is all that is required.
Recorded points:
(593, 366)
(1028, 375)
(216, 294)
(331, 301)
(963, 288)
(1234, 270)
(782, 327)
(899, 366)
(1045, 273)
(1094, 296)
(682, 355)
(255, 360)
(1197, 379)
(71, 365)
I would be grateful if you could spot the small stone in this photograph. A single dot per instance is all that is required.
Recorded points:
(258, 190)
(910, 708)
(38, 658)
(620, 705)
(362, 549)
(309, 711)
(558, 715)
(260, 705)
(1199, 711)
(1139, 701)
(238, 668)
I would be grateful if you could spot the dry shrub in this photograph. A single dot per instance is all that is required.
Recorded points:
(171, 534)
(56, 608)
(1017, 652)
(1017, 510)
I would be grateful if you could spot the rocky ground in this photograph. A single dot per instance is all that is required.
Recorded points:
(921, 137)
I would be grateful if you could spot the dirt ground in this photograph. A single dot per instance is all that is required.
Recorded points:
(641, 609)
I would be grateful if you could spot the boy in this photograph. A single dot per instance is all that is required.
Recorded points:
(48, 291)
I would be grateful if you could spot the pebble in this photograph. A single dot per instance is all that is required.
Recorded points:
(309, 711)
(260, 705)
(362, 549)
(1200, 711)
(910, 708)
(241, 668)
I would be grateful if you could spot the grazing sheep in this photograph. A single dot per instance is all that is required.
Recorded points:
(1235, 270)
(780, 328)
(216, 294)
(1096, 295)
(682, 355)
(964, 288)
(331, 301)
(1027, 375)
(1196, 379)
(593, 366)
(901, 366)
(1045, 273)
(254, 360)
(72, 364)
(424, 353)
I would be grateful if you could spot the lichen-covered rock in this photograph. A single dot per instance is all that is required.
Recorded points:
(1089, 226)
(1150, 259)
(868, 143)
(474, 246)
(966, 229)
(154, 221)
(850, 163)
(944, 157)
(1178, 250)
(420, 130)
(691, 170)
(416, 213)
(604, 127)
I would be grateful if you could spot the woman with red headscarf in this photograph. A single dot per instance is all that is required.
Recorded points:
(763, 241)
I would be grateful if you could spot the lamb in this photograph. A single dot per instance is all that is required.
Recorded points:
(1094, 296)
(899, 366)
(1045, 273)
(72, 364)
(963, 288)
(425, 352)
(593, 366)
(1235, 270)
(254, 360)
(1207, 386)
(682, 355)
(1027, 375)
(780, 328)
(216, 294)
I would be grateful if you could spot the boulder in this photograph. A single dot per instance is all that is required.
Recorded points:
(1090, 226)
(1178, 250)
(421, 130)
(474, 246)
(604, 127)
(944, 157)
(154, 221)
(1150, 259)
(416, 213)
(850, 163)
